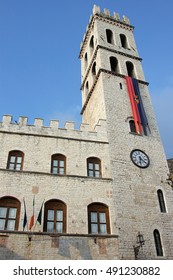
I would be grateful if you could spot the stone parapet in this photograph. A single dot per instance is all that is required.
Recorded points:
(53, 130)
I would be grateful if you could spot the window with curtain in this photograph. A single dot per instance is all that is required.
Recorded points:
(9, 213)
(94, 167)
(15, 160)
(58, 164)
(55, 216)
(98, 219)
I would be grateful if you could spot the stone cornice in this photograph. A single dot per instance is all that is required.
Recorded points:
(6, 233)
(26, 172)
(107, 49)
(95, 82)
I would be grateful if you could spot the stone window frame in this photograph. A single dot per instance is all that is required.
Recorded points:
(16, 154)
(59, 158)
(93, 161)
(55, 205)
(98, 208)
(10, 202)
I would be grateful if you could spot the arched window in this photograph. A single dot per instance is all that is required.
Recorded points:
(123, 40)
(94, 167)
(58, 164)
(15, 160)
(132, 126)
(130, 69)
(161, 201)
(98, 219)
(55, 216)
(9, 213)
(114, 64)
(109, 36)
(92, 44)
(158, 243)
(94, 69)
(86, 60)
(86, 88)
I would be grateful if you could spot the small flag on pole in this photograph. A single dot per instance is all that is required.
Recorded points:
(39, 218)
(25, 216)
(32, 217)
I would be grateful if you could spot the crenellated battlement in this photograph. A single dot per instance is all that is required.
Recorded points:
(105, 15)
(53, 130)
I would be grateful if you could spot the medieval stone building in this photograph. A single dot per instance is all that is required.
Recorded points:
(100, 192)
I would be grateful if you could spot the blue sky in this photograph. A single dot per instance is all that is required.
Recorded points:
(39, 65)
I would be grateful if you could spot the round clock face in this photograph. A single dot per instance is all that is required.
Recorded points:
(140, 158)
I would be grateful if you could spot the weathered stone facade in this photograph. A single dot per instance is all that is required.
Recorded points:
(170, 165)
(130, 193)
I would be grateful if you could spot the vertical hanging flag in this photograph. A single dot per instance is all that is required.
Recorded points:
(142, 113)
(133, 102)
(32, 217)
(39, 218)
(140, 119)
(25, 216)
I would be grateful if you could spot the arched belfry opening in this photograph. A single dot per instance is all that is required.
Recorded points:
(130, 69)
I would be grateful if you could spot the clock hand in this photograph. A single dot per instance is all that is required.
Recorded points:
(143, 160)
(140, 159)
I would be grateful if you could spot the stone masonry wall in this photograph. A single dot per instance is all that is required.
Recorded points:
(20, 246)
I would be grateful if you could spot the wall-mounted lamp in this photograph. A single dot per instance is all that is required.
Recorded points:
(141, 242)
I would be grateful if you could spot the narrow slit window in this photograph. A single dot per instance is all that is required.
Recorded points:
(158, 244)
(161, 201)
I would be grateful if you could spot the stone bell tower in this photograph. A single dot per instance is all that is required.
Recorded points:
(114, 88)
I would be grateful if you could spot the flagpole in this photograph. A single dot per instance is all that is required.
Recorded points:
(32, 217)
